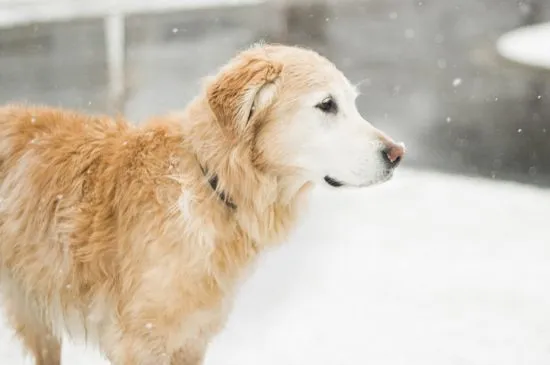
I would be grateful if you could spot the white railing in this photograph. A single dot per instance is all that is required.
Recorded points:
(17, 12)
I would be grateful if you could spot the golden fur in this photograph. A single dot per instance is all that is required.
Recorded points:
(111, 232)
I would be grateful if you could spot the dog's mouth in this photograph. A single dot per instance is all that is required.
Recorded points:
(333, 182)
(387, 175)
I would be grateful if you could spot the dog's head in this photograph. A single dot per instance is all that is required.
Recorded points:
(297, 114)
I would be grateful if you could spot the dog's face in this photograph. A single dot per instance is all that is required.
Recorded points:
(299, 114)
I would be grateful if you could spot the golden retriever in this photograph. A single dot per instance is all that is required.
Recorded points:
(133, 238)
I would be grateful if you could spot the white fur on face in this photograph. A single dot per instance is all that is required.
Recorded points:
(340, 145)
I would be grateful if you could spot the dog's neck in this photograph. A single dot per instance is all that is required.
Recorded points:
(265, 206)
(213, 181)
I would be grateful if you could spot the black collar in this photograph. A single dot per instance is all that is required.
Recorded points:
(213, 181)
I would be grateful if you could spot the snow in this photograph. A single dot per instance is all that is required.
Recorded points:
(427, 269)
(527, 45)
(409, 33)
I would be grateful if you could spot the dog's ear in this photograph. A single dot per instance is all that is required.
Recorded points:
(243, 89)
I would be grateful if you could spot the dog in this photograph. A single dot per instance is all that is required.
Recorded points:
(134, 238)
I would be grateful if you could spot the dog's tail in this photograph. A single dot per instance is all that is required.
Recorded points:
(6, 133)
(18, 128)
(9, 121)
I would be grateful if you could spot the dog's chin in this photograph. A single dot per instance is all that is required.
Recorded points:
(381, 178)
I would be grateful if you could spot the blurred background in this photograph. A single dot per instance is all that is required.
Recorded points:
(449, 263)
(429, 70)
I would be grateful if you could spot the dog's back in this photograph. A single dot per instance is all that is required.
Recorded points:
(60, 221)
(48, 165)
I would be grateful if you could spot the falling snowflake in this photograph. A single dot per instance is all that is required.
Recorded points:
(520, 130)
(175, 30)
(525, 8)
(448, 119)
(409, 33)
(457, 82)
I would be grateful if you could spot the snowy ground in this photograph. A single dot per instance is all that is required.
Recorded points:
(428, 269)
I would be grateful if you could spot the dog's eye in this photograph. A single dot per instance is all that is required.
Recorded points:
(328, 105)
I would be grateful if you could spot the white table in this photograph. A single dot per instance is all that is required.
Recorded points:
(529, 46)
(23, 12)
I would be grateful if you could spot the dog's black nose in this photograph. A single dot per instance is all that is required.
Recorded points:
(393, 154)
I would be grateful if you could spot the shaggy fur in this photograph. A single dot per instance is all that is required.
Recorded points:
(110, 232)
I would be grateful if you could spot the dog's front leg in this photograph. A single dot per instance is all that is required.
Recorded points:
(191, 354)
(131, 348)
(138, 358)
